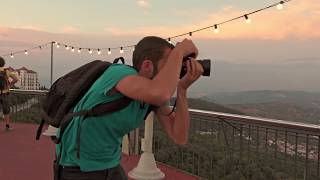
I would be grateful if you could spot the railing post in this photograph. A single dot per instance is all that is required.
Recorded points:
(285, 146)
(51, 64)
(318, 164)
(307, 156)
(295, 157)
(147, 168)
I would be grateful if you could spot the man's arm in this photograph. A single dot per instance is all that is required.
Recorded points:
(176, 125)
(14, 78)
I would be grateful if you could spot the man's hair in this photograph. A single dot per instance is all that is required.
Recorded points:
(2, 62)
(151, 48)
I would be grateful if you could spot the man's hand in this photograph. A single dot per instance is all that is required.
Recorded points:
(194, 71)
(187, 47)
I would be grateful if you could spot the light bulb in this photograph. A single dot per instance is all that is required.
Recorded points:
(72, 49)
(121, 50)
(79, 50)
(248, 20)
(11, 55)
(90, 51)
(99, 52)
(280, 5)
(216, 30)
(26, 52)
(109, 51)
(58, 45)
(67, 47)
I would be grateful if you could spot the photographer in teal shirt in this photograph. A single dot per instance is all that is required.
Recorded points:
(152, 80)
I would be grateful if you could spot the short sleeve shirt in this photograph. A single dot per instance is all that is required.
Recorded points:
(9, 75)
(101, 136)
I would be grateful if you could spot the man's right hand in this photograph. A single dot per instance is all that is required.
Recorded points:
(187, 47)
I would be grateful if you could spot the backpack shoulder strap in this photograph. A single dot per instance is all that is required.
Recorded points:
(151, 108)
(98, 110)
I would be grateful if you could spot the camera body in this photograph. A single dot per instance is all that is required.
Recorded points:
(205, 63)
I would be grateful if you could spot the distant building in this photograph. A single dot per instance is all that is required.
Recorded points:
(28, 79)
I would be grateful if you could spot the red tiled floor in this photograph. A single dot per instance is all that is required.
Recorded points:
(24, 158)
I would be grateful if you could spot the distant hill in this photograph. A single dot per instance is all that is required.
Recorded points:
(278, 110)
(267, 96)
(209, 106)
(286, 105)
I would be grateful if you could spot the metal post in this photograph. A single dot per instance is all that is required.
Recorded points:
(285, 147)
(276, 144)
(318, 164)
(307, 156)
(266, 141)
(51, 70)
(257, 147)
(249, 142)
(51, 131)
(295, 157)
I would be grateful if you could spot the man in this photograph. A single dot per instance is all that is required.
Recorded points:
(152, 81)
(7, 79)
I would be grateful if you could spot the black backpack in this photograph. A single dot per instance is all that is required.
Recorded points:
(68, 90)
(3, 80)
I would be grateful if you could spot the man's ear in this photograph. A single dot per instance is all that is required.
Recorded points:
(147, 65)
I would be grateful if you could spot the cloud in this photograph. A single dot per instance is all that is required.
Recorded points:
(143, 3)
(299, 19)
(4, 31)
(115, 31)
(31, 27)
(69, 30)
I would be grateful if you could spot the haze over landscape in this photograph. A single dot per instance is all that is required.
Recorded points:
(256, 117)
(279, 50)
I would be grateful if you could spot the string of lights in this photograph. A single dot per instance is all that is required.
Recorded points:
(215, 27)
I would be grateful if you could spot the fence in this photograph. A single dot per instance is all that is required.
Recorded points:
(25, 105)
(221, 146)
(226, 146)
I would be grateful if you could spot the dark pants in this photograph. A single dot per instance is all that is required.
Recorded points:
(4, 101)
(74, 173)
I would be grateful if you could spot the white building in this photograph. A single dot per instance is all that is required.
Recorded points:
(28, 79)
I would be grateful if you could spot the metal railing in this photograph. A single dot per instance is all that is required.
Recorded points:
(227, 146)
(25, 105)
(221, 146)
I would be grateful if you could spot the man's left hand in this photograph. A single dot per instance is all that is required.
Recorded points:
(194, 71)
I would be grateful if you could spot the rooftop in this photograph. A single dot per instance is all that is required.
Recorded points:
(22, 157)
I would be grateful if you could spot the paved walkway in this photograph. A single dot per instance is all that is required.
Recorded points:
(24, 158)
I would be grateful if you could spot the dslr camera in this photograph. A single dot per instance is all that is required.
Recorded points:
(205, 63)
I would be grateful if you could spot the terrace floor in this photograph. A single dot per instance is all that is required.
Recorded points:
(24, 158)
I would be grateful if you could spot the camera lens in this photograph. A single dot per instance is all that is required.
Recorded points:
(205, 63)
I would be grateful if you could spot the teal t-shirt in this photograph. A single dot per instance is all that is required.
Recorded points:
(101, 137)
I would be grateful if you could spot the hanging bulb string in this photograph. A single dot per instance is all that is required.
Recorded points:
(28, 50)
(190, 33)
(229, 20)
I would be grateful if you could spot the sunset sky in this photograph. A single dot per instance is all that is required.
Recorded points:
(166, 18)
(273, 36)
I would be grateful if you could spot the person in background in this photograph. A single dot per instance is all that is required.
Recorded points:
(7, 79)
